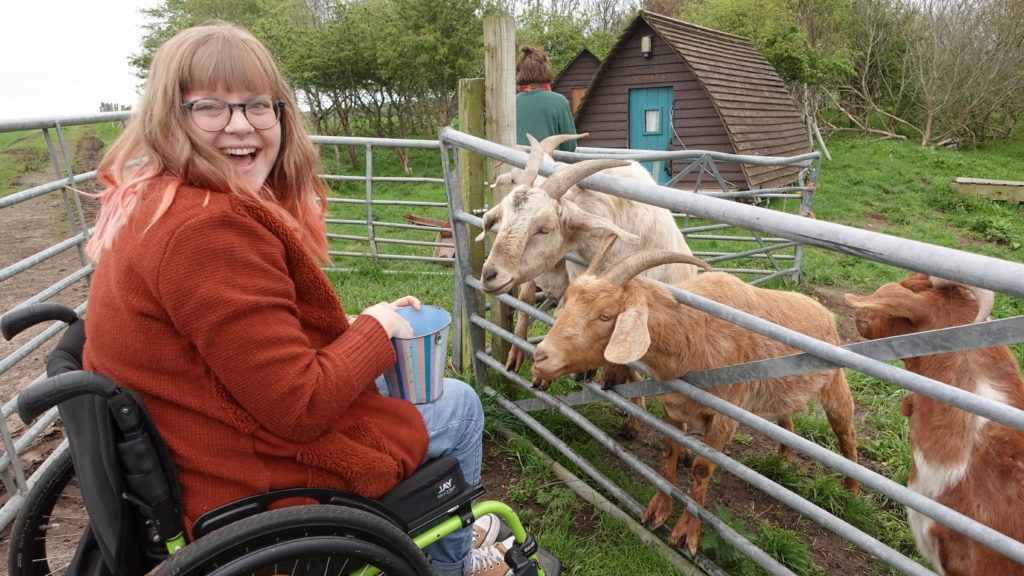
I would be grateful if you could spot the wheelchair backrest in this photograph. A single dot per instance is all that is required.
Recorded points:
(124, 470)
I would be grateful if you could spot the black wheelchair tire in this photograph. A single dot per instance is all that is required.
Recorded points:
(36, 533)
(307, 533)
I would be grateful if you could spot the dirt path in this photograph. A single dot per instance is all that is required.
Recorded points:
(29, 228)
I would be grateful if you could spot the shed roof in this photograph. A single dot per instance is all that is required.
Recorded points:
(585, 60)
(756, 109)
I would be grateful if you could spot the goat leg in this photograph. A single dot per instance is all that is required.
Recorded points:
(516, 355)
(786, 422)
(837, 402)
(687, 530)
(660, 507)
(614, 374)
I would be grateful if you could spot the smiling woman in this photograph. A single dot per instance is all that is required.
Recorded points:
(209, 302)
(251, 139)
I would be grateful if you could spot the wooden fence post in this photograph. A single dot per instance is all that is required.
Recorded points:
(500, 124)
(472, 173)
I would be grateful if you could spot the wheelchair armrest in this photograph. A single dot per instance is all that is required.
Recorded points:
(23, 317)
(45, 394)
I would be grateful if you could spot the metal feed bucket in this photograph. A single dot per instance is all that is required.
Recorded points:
(418, 374)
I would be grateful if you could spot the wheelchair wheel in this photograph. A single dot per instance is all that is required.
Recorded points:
(300, 540)
(50, 523)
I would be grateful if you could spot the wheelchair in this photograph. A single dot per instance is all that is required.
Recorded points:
(120, 466)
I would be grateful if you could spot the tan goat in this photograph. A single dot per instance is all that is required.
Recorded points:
(542, 220)
(614, 317)
(961, 460)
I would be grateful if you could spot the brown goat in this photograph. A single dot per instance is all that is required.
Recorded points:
(614, 317)
(543, 219)
(961, 460)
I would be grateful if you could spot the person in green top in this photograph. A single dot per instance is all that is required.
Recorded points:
(539, 111)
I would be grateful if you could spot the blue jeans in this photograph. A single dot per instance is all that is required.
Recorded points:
(455, 422)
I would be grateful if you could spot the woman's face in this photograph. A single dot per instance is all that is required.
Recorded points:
(253, 151)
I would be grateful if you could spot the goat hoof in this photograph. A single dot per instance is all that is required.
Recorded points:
(657, 511)
(686, 534)
(515, 360)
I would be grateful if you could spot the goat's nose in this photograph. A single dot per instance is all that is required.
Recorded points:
(489, 274)
(539, 356)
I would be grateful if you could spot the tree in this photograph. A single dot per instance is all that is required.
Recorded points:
(967, 59)
(937, 69)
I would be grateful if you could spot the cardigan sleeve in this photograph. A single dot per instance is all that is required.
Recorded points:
(229, 287)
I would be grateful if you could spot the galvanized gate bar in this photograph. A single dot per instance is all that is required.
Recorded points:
(984, 271)
(992, 273)
(914, 382)
(966, 337)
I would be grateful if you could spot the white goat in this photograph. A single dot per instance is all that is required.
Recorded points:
(614, 317)
(961, 460)
(543, 220)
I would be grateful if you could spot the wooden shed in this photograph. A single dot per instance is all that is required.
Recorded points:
(573, 80)
(671, 85)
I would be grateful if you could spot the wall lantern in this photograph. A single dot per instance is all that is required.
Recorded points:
(645, 46)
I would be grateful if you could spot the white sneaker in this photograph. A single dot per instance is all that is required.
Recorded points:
(485, 530)
(489, 560)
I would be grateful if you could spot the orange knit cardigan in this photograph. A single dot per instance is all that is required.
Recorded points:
(222, 321)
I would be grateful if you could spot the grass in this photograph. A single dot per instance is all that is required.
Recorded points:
(26, 152)
(23, 152)
(897, 188)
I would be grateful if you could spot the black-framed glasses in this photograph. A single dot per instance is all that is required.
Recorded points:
(214, 114)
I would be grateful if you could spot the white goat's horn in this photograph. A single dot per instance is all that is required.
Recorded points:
(560, 182)
(986, 298)
(532, 168)
(597, 262)
(635, 263)
(551, 142)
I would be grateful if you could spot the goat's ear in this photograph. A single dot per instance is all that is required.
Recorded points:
(630, 338)
(491, 217)
(908, 305)
(580, 221)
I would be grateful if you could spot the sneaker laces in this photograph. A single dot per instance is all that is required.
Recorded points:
(486, 559)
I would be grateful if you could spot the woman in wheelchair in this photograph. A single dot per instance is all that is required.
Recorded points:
(208, 301)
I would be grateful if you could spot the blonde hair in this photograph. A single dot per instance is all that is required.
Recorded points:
(217, 56)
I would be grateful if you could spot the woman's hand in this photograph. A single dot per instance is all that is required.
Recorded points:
(387, 315)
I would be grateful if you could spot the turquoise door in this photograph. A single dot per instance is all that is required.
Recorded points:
(650, 125)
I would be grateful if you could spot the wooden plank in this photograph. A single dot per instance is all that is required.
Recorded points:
(1003, 190)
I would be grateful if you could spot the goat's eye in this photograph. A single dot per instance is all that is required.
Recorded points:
(542, 231)
(604, 316)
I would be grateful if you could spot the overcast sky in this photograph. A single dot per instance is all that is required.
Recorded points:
(60, 57)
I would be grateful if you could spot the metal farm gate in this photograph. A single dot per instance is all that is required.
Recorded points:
(866, 357)
(742, 237)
